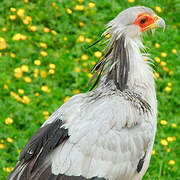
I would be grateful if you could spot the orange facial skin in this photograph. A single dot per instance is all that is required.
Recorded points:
(146, 21)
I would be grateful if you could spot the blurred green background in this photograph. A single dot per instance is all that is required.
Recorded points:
(43, 61)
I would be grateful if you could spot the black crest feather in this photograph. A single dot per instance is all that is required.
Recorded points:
(118, 60)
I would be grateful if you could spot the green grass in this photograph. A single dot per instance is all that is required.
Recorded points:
(65, 51)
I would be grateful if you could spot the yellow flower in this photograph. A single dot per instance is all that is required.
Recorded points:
(98, 54)
(164, 54)
(32, 28)
(6, 169)
(169, 84)
(156, 74)
(18, 37)
(19, 151)
(29, 18)
(51, 71)
(153, 152)
(12, 17)
(76, 91)
(46, 113)
(25, 68)
(25, 21)
(45, 89)
(10, 140)
(85, 64)
(171, 162)
(2, 140)
(163, 122)
(90, 75)
(46, 29)
(88, 40)
(85, 70)
(4, 29)
(13, 9)
(81, 24)
(174, 125)
(2, 146)
(43, 74)
(12, 55)
(26, 1)
(0, 54)
(91, 5)
(20, 91)
(79, 8)
(27, 79)
(2, 43)
(81, 1)
(52, 66)
(84, 57)
(69, 11)
(14, 95)
(37, 62)
(171, 73)
(158, 9)
(77, 69)
(46, 117)
(66, 98)
(65, 38)
(131, 1)
(168, 150)
(164, 142)
(157, 59)
(168, 89)
(157, 45)
(17, 70)
(163, 63)
(6, 86)
(36, 94)
(171, 139)
(54, 32)
(81, 38)
(174, 51)
(166, 69)
(54, 5)
(43, 45)
(20, 12)
(36, 71)
(8, 121)
(43, 53)
(18, 73)
(26, 99)
(93, 62)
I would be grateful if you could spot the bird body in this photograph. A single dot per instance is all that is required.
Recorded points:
(107, 133)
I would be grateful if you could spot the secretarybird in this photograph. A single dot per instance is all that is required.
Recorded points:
(106, 133)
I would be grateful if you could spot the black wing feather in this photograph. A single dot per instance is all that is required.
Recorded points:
(44, 141)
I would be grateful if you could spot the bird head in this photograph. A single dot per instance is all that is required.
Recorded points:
(134, 22)
(126, 30)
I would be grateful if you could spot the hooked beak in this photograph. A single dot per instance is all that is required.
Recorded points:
(160, 23)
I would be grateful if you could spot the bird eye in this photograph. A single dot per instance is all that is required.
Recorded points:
(143, 20)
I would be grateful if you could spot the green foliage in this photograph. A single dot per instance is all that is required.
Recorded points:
(47, 87)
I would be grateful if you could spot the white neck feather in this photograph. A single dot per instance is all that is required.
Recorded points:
(140, 73)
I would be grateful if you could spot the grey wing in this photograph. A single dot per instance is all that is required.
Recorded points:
(110, 138)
